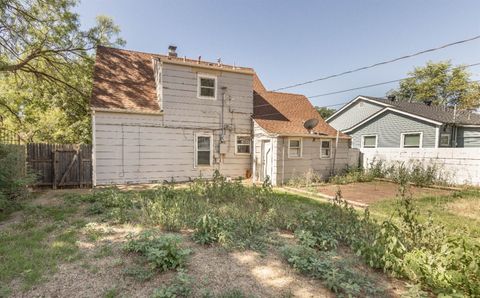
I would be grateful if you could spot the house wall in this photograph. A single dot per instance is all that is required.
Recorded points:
(261, 135)
(140, 148)
(388, 128)
(468, 137)
(354, 114)
(288, 168)
(456, 165)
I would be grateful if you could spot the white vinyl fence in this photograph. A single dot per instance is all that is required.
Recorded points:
(457, 165)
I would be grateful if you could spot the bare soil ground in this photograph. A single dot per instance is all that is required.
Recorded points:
(371, 192)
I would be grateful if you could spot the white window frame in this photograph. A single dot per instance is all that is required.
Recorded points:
(449, 140)
(206, 76)
(249, 145)
(402, 139)
(301, 147)
(362, 145)
(195, 157)
(321, 148)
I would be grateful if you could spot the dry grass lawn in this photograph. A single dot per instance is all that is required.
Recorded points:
(95, 264)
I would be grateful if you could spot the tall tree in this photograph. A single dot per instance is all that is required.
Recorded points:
(441, 83)
(46, 68)
(325, 112)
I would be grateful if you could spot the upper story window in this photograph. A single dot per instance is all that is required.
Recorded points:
(242, 144)
(369, 141)
(294, 147)
(207, 86)
(411, 140)
(325, 148)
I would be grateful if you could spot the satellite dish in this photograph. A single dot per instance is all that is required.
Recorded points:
(310, 124)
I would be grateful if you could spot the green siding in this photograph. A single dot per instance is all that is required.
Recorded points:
(389, 126)
(354, 114)
(468, 136)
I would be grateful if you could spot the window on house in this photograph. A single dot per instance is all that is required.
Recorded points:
(242, 144)
(207, 86)
(204, 150)
(412, 140)
(445, 140)
(294, 147)
(369, 142)
(325, 148)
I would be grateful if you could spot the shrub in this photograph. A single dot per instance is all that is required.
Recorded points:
(207, 230)
(14, 178)
(180, 287)
(162, 252)
(335, 271)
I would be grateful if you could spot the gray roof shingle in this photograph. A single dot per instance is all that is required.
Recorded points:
(433, 112)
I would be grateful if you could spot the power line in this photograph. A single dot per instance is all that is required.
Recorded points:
(382, 83)
(380, 63)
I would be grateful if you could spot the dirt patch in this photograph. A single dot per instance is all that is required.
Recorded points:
(213, 269)
(371, 192)
(465, 207)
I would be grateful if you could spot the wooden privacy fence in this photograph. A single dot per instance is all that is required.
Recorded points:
(61, 165)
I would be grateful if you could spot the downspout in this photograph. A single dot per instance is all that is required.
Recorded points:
(335, 153)
(222, 137)
(283, 160)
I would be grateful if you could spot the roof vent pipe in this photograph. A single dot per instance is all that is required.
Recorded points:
(172, 51)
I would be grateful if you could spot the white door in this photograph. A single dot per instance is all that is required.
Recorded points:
(266, 160)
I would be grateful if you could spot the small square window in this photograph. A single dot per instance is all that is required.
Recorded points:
(445, 140)
(369, 142)
(242, 144)
(295, 148)
(325, 148)
(207, 86)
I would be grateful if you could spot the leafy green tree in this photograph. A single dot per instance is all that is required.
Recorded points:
(325, 112)
(46, 64)
(441, 83)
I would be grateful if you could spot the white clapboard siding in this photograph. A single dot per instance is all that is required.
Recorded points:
(311, 161)
(143, 148)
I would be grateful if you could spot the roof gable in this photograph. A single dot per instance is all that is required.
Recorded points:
(285, 113)
(386, 110)
(124, 80)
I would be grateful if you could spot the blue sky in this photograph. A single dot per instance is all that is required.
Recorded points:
(288, 42)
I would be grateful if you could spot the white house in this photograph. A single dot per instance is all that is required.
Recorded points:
(162, 117)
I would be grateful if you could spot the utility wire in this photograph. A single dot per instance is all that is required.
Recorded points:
(382, 83)
(380, 63)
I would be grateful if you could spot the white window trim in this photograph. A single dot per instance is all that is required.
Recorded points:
(301, 147)
(236, 145)
(402, 139)
(206, 76)
(449, 135)
(195, 157)
(330, 147)
(362, 145)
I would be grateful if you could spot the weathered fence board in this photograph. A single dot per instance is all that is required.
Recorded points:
(61, 165)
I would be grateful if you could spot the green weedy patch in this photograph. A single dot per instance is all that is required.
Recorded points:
(161, 252)
(338, 273)
(403, 243)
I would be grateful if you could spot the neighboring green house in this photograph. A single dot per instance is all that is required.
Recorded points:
(389, 123)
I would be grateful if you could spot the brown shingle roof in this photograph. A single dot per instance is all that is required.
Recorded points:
(285, 113)
(124, 79)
